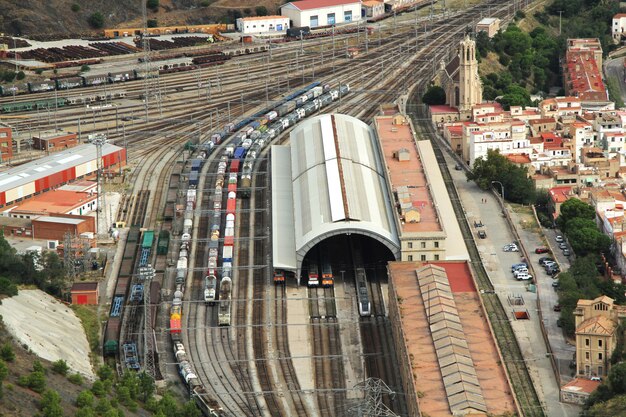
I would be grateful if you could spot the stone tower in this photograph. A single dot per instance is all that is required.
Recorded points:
(470, 86)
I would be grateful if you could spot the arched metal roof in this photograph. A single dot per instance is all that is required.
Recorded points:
(328, 181)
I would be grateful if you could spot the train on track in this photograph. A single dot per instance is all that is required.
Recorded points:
(363, 298)
(251, 134)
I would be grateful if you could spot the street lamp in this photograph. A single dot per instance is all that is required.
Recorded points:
(501, 187)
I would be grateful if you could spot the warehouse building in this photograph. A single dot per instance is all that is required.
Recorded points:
(55, 170)
(262, 24)
(315, 13)
(55, 141)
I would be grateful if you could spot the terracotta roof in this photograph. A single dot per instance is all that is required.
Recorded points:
(619, 16)
(598, 325)
(560, 194)
(581, 384)
(371, 3)
(442, 109)
(518, 158)
(318, 4)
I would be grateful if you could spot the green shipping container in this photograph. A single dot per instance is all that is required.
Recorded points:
(164, 242)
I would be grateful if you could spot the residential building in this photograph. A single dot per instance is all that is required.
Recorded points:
(558, 196)
(618, 27)
(560, 106)
(6, 143)
(596, 323)
(508, 138)
(262, 24)
(372, 8)
(314, 13)
(577, 391)
(490, 25)
(582, 75)
(592, 45)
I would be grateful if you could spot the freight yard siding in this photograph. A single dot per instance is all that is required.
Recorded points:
(333, 182)
(46, 173)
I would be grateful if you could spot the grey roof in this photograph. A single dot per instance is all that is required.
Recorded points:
(43, 167)
(54, 219)
(337, 187)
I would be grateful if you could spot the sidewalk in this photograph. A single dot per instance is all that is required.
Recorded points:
(483, 206)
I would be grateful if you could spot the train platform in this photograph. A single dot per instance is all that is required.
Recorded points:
(300, 343)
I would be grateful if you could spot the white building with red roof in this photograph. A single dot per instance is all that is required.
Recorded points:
(314, 13)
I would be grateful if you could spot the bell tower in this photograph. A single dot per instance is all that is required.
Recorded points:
(470, 86)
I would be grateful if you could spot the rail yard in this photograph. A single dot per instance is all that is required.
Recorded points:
(198, 240)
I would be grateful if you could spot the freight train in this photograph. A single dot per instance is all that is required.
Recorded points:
(252, 133)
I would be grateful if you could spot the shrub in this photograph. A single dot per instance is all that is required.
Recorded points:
(75, 379)
(20, 75)
(96, 20)
(60, 367)
(75, 8)
(7, 287)
(152, 23)
(85, 68)
(152, 4)
(205, 3)
(6, 352)
(85, 399)
(261, 11)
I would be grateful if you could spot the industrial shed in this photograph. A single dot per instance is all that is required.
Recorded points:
(328, 181)
(52, 171)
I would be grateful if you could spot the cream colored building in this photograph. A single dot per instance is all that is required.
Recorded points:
(314, 13)
(596, 325)
(490, 25)
(262, 24)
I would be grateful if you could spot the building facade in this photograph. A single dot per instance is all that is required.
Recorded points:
(55, 141)
(262, 24)
(372, 8)
(85, 293)
(618, 27)
(6, 143)
(315, 13)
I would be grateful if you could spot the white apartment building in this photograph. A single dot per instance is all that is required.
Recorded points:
(618, 27)
(560, 106)
(314, 13)
(509, 139)
(582, 135)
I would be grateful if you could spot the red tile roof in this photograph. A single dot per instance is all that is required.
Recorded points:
(560, 194)
(581, 384)
(443, 109)
(318, 4)
(518, 158)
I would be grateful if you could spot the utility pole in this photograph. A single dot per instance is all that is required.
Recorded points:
(149, 79)
(99, 140)
(373, 406)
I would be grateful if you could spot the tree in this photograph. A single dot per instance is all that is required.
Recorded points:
(617, 378)
(37, 381)
(190, 410)
(146, 385)
(85, 68)
(20, 75)
(152, 23)
(96, 20)
(152, 4)
(99, 389)
(60, 367)
(7, 287)
(4, 372)
(75, 8)
(105, 373)
(85, 399)
(435, 95)
(51, 404)
(574, 207)
(261, 11)
(75, 379)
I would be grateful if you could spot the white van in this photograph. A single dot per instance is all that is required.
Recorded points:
(524, 277)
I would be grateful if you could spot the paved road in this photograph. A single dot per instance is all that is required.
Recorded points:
(614, 69)
(498, 265)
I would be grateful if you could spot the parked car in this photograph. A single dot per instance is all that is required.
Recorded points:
(542, 250)
(458, 167)
(515, 267)
(563, 245)
(555, 283)
(478, 223)
(559, 238)
(482, 234)
(511, 247)
(524, 277)
(545, 259)
(595, 378)
(557, 307)
(546, 264)
(520, 271)
(566, 252)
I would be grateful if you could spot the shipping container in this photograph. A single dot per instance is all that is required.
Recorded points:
(227, 254)
(193, 179)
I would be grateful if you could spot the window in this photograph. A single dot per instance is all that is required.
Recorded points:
(600, 343)
(436, 244)
(410, 245)
(314, 21)
(410, 258)
(586, 342)
(423, 257)
(600, 370)
(330, 18)
(423, 245)
(586, 355)
(436, 257)
(347, 16)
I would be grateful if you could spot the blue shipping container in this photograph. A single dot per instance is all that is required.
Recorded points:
(240, 152)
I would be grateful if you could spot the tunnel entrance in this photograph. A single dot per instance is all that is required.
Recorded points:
(340, 255)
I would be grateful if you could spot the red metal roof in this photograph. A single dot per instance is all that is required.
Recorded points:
(318, 4)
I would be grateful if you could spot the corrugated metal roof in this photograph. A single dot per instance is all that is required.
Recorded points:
(283, 242)
(48, 165)
(335, 166)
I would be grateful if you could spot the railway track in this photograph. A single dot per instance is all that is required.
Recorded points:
(514, 361)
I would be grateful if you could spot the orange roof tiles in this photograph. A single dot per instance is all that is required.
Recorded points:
(581, 384)
(518, 158)
(56, 201)
(560, 194)
(394, 137)
(442, 109)
(582, 76)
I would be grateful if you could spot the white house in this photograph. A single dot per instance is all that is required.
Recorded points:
(314, 13)
(618, 27)
(262, 24)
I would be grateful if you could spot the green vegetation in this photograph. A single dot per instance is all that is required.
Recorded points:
(36, 381)
(89, 319)
(577, 221)
(152, 4)
(75, 379)
(4, 372)
(261, 11)
(610, 397)
(60, 367)
(85, 68)
(96, 20)
(518, 187)
(75, 7)
(6, 352)
(205, 3)
(51, 404)
(7, 75)
(152, 23)
(435, 95)
(20, 76)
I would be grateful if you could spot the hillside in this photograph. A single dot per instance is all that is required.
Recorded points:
(35, 18)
